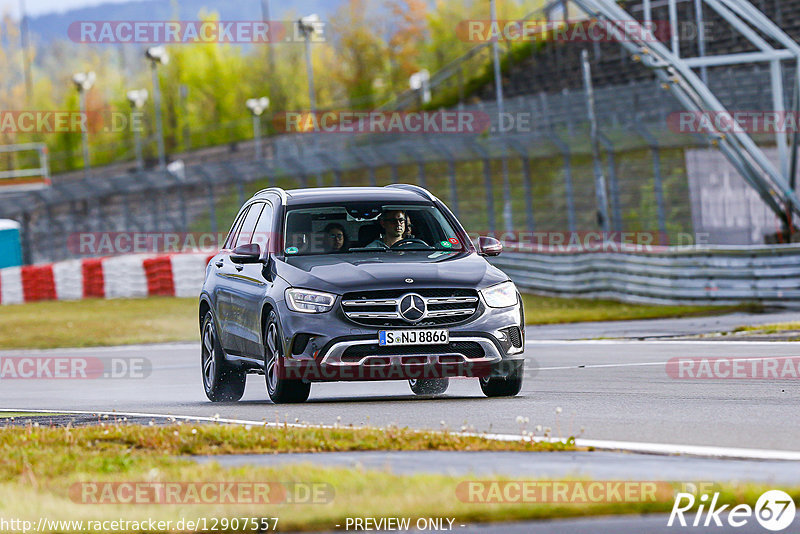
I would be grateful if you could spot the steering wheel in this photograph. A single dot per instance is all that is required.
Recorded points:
(410, 241)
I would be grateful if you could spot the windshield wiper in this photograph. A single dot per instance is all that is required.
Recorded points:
(419, 247)
(368, 249)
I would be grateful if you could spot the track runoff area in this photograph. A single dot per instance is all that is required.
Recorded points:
(723, 401)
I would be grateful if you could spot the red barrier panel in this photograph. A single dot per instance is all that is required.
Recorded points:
(93, 282)
(38, 283)
(159, 276)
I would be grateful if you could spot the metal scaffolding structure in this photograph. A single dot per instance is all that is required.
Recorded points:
(774, 185)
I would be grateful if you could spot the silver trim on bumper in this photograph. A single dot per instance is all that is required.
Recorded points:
(491, 354)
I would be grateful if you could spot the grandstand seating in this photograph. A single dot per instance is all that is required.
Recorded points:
(556, 66)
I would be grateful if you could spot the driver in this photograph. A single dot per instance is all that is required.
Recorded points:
(393, 223)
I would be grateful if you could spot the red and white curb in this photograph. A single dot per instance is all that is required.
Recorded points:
(702, 451)
(178, 275)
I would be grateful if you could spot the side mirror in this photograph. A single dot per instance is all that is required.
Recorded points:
(249, 253)
(489, 246)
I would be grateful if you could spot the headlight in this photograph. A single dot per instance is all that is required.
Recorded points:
(307, 301)
(500, 295)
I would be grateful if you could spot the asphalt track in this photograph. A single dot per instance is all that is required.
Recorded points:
(617, 390)
(606, 389)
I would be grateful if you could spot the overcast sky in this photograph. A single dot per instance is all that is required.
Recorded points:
(40, 7)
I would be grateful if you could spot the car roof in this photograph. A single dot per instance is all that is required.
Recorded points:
(317, 195)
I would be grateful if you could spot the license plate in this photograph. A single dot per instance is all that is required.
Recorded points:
(413, 337)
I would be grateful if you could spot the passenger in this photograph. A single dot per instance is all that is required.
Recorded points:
(393, 225)
(334, 239)
(409, 229)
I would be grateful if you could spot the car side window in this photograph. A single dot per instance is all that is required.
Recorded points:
(235, 230)
(249, 225)
(263, 233)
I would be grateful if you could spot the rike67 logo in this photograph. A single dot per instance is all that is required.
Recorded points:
(774, 510)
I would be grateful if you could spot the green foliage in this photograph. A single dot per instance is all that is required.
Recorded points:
(367, 56)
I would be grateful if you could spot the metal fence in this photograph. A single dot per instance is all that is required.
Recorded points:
(710, 275)
(537, 176)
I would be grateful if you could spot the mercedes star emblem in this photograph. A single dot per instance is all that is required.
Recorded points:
(411, 307)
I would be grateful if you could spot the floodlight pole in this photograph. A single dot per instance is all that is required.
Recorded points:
(162, 160)
(257, 107)
(599, 178)
(84, 132)
(83, 82)
(498, 83)
(498, 89)
(137, 99)
(257, 135)
(310, 70)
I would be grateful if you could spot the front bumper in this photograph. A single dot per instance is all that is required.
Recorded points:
(317, 349)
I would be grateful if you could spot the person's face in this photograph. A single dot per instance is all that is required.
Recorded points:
(394, 223)
(334, 239)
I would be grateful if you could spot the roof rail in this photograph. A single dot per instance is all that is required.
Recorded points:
(278, 190)
(421, 191)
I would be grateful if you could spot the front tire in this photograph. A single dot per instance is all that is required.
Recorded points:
(429, 386)
(280, 390)
(503, 386)
(221, 380)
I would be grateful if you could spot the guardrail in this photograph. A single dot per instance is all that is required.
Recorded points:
(17, 179)
(665, 275)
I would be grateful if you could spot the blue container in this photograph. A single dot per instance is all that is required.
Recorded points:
(10, 244)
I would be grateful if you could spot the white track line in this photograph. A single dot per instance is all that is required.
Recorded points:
(642, 364)
(152, 347)
(656, 340)
(195, 344)
(730, 453)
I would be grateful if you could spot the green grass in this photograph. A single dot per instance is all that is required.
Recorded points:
(553, 310)
(26, 414)
(769, 329)
(778, 331)
(97, 322)
(45, 471)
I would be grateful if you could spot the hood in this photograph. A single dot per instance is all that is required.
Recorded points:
(342, 273)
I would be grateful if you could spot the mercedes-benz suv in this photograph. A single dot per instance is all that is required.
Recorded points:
(356, 283)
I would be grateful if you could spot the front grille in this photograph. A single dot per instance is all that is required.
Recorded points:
(470, 349)
(379, 308)
(514, 335)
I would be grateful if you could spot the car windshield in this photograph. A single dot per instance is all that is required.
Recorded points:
(349, 228)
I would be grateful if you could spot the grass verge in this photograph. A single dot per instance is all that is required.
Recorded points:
(26, 414)
(97, 322)
(553, 310)
(776, 328)
(60, 473)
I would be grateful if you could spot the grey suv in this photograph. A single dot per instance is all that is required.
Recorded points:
(356, 283)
